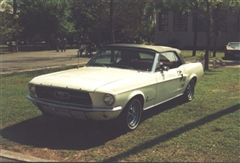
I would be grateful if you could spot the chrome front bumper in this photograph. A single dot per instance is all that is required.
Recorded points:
(79, 112)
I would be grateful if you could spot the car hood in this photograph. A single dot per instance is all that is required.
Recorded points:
(86, 78)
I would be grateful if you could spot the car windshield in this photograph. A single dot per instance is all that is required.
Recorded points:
(124, 58)
(234, 45)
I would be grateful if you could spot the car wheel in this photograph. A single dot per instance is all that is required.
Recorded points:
(131, 116)
(44, 113)
(189, 92)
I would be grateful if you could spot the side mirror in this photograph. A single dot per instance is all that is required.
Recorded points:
(162, 67)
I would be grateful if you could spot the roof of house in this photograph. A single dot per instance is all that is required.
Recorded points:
(148, 47)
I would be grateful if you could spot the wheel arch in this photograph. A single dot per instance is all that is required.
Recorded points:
(136, 94)
(192, 78)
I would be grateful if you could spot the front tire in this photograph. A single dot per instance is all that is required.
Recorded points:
(131, 115)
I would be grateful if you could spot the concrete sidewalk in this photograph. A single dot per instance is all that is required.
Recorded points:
(29, 61)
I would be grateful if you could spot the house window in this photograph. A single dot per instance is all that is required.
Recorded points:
(180, 22)
(163, 21)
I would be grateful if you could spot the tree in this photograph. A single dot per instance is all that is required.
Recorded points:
(44, 20)
(220, 8)
(106, 21)
(9, 25)
(91, 20)
(195, 8)
(216, 12)
(129, 20)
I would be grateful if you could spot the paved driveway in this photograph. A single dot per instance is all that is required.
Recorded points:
(26, 61)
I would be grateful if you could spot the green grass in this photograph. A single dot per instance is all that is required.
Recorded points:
(206, 129)
(200, 53)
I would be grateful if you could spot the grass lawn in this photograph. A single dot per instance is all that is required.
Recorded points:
(206, 129)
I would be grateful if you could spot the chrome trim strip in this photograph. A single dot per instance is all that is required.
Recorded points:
(62, 103)
(163, 81)
(77, 108)
(162, 102)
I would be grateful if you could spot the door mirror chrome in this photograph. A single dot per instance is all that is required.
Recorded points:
(162, 67)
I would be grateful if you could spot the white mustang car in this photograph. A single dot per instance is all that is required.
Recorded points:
(120, 82)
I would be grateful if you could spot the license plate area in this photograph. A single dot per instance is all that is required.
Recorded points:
(56, 110)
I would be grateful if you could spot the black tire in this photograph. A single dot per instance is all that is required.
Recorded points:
(44, 113)
(131, 115)
(189, 91)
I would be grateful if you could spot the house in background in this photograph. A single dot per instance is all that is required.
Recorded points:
(176, 29)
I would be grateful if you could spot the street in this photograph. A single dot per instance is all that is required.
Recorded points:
(27, 61)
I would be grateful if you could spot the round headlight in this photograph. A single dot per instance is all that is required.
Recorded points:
(108, 99)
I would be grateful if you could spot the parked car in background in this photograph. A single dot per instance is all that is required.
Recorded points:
(120, 82)
(232, 51)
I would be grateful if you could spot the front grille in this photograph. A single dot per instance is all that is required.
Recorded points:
(64, 95)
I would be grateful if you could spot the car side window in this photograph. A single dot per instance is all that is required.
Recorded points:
(169, 59)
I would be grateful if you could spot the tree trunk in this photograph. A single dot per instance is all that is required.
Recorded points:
(111, 22)
(14, 7)
(195, 32)
(14, 17)
(214, 43)
(238, 24)
(194, 43)
(206, 57)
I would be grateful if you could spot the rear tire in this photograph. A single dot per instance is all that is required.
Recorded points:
(189, 92)
(131, 115)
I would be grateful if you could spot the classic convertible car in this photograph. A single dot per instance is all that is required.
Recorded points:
(120, 82)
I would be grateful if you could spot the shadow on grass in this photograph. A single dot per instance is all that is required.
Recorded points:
(59, 133)
(174, 133)
(56, 133)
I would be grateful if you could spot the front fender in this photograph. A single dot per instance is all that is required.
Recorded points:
(191, 77)
(124, 98)
(136, 93)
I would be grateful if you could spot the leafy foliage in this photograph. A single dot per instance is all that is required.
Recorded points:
(44, 19)
(8, 22)
(99, 21)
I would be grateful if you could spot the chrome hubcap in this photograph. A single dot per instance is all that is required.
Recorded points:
(190, 92)
(134, 112)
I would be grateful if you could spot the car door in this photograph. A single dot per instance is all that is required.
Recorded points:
(170, 78)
